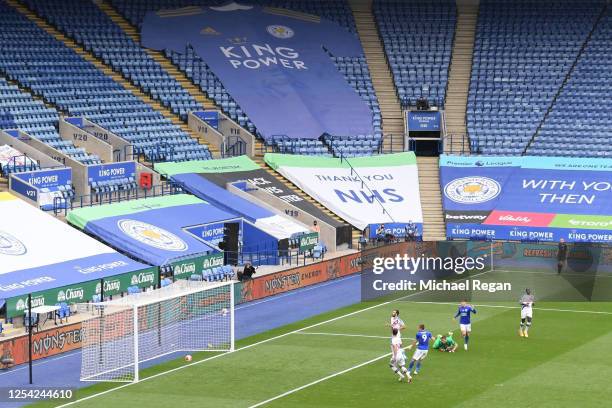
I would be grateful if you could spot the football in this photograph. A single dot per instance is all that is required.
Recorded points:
(188, 357)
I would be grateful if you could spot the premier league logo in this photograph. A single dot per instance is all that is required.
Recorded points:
(9, 245)
(280, 31)
(152, 235)
(472, 190)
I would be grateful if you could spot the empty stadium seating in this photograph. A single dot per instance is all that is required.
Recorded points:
(18, 110)
(523, 52)
(92, 28)
(354, 69)
(418, 38)
(50, 69)
(580, 122)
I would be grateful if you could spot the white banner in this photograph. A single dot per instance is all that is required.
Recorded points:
(383, 191)
(30, 238)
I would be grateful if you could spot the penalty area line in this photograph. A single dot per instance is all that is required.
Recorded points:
(320, 380)
(366, 336)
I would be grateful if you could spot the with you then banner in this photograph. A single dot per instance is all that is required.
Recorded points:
(527, 198)
(363, 190)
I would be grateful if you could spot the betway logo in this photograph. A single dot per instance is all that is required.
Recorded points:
(583, 223)
(474, 217)
(142, 278)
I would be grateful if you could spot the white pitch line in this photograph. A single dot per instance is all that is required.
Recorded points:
(320, 380)
(343, 335)
(518, 307)
(247, 347)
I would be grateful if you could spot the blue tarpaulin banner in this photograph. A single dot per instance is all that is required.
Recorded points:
(151, 229)
(527, 198)
(423, 121)
(273, 62)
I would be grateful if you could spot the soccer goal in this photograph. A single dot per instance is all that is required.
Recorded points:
(186, 316)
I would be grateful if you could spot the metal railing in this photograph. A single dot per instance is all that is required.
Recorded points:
(457, 144)
(61, 206)
(233, 146)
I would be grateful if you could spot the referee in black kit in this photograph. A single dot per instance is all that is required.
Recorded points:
(561, 255)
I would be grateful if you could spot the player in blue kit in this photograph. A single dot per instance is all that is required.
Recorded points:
(422, 339)
(464, 312)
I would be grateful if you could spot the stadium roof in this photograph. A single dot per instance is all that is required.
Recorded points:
(39, 252)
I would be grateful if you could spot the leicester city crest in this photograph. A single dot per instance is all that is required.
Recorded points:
(472, 190)
(9, 245)
(152, 235)
(280, 31)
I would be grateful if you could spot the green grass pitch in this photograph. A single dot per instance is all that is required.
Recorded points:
(340, 360)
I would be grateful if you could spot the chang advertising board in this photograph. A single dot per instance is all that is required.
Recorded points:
(308, 241)
(196, 266)
(527, 198)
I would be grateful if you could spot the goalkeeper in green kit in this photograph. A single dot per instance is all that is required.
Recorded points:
(445, 343)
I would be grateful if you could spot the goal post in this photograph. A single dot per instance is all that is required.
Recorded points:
(186, 316)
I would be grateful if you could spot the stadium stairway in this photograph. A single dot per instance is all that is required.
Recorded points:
(107, 70)
(459, 76)
(159, 57)
(434, 228)
(391, 111)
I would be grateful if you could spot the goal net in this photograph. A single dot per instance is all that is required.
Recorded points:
(186, 316)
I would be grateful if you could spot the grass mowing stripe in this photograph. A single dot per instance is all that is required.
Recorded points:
(343, 335)
(248, 346)
(320, 380)
(518, 307)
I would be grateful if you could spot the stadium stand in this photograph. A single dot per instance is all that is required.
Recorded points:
(18, 110)
(523, 53)
(93, 29)
(354, 69)
(14, 161)
(49, 68)
(418, 39)
(579, 122)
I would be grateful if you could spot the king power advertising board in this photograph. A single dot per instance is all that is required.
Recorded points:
(527, 198)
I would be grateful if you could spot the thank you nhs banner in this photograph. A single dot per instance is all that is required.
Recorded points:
(527, 198)
(273, 64)
(371, 190)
